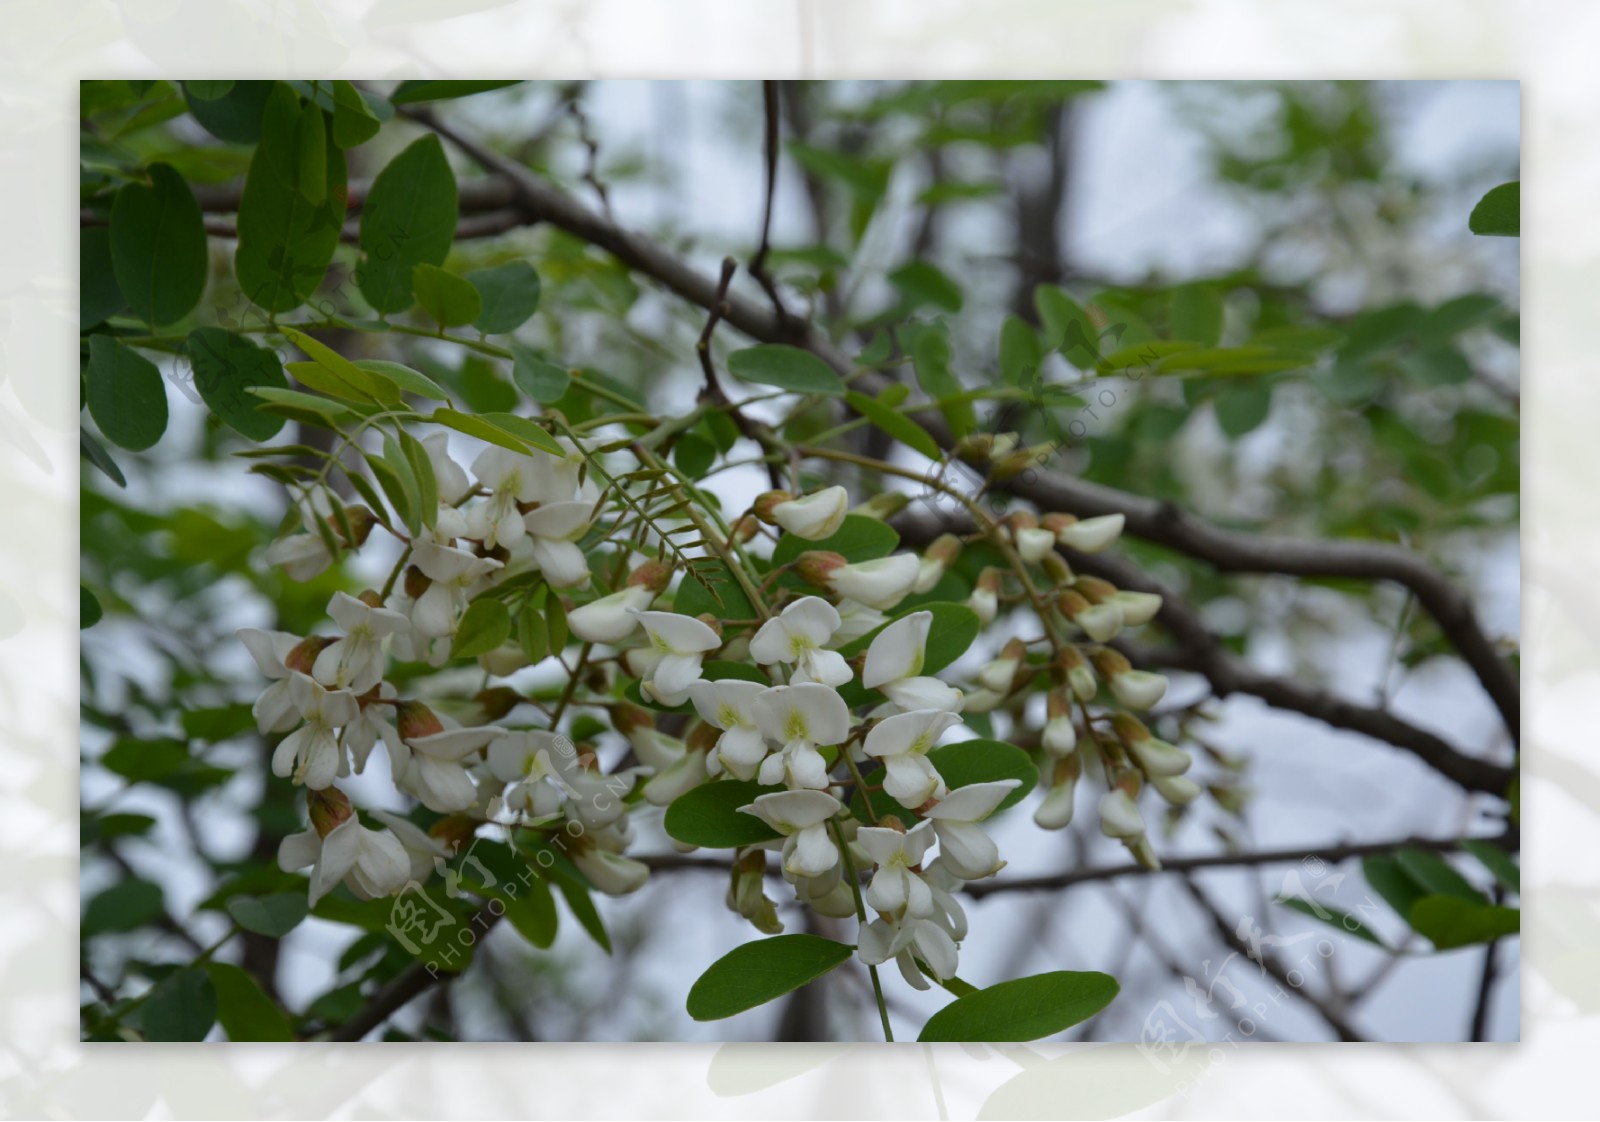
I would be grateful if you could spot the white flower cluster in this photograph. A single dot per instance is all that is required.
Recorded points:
(848, 745)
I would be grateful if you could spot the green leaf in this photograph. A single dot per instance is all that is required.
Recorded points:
(543, 381)
(143, 760)
(758, 972)
(484, 627)
(1393, 883)
(409, 219)
(524, 430)
(1333, 917)
(226, 367)
(244, 1011)
(1439, 366)
(788, 368)
(1435, 875)
(923, 284)
(89, 612)
(353, 120)
(1499, 213)
(709, 815)
(1024, 1008)
(183, 1007)
(858, 538)
(1449, 921)
(1020, 353)
(125, 906)
(693, 455)
(285, 238)
(158, 247)
(315, 409)
(533, 634)
(1241, 408)
(208, 91)
(930, 361)
(1067, 327)
(235, 116)
(409, 380)
(312, 158)
(533, 913)
(405, 475)
(409, 93)
(510, 295)
(401, 497)
(1498, 862)
(896, 424)
(416, 457)
(449, 299)
(334, 374)
(99, 298)
(583, 910)
(1197, 313)
(274, 915)
(126, 396)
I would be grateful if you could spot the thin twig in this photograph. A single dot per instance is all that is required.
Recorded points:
(758, 263)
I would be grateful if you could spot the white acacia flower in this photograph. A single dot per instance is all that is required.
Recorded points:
(1060, 734)
(311, 754)
(799, 635)
(1119, 817)
(1138, 689)
(802, 718)
(1091, 535)
(1176, 789)
(355, 662)
(730, 706)
(453, 572)
(897, 890)
(964, 848)
(555, 529)
(815, 516)
(902, 742)
(274, 710)
(1101, 622)
(303, 556)
(1158, 758)
(437, 775)
(855, 621)
(451, 478)
(610, 872)
(371, 862)
(510, 478)
(612, 618)
(531, 763)
(908, 941)
(947, 910)
(424, 851)
(683, 774)
(681, 641)
(371, 725)
(802, 818)
(880, 583)
(894, 667)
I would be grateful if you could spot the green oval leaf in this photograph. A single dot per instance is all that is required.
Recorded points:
(409, 219)
(99, 298)
(709, 815)
(183, 1007)
(788, 368)
(532, 911)
(540, 379)
(485, 625)
(275, 915)
(89, 612)
(1450, 922)
(227, 366)
(158, 247)
(125, 394)
(510, 295)
(449, 299)
(758, 972)
(896, 424)
(1024, 1008)
(244, 1011)
(235, 116)
(285, 238)
(1499, 213)
(409, 380)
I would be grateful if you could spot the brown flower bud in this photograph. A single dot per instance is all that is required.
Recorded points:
(414, 719)
(1130, 729)
(766, 501)
(416, 582)
(497, 701)
(946, 549)
(815, 565)
(1109, 663)
(653, 574)
(304, 654)
(1095, 590)
(328, 808)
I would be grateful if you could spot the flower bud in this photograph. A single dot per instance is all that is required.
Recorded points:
(654, 574)
(687, 773)
(361, 522)
(981, 701)
(497, 702)
(370, 598)
(1100, 622)
(1055, 813)
(746, 895)
(1060, 734)
(1144, 854)
(414, 719)
(880, 583)
(611, 873)
(1095, 590)
(1138, 689)
(327, 808)
(416, 582)
(610, 619)
(1056, 567)
(814, 517)
(766, 502)
(1176, 789)
(985, 598)
(1119, 817)
(998, 674)
(816, 566)
(745, 528)
(1079, 677)
(1138, 608)
(883, 506)
(303, 656)
(1091, 535)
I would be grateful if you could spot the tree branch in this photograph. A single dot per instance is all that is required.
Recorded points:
(1163, 522)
